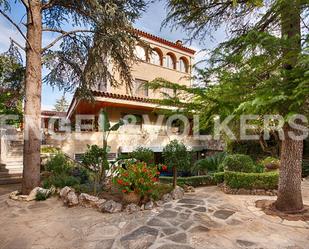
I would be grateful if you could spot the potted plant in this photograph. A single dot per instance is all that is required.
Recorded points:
(136, 181)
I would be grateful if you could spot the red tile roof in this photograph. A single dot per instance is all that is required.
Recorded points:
(53, 113)
(166, 42)
(123, 97)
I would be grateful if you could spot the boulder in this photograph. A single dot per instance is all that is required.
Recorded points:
(88, 200)
(99, 203)
(110, 206)
(71, 199)
(33, 193)
(188, 188)
(132, 208)
(64, 192)
(167, 198)
(177, 193)
(149, 205)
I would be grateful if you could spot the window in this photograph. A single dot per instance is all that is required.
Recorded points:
(140, 53)
(140, 89)
(155, 58)
(170, 61)
(183, 65)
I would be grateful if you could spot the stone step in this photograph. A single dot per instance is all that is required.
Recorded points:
(14, 180)
(11, 169)
(4, 175)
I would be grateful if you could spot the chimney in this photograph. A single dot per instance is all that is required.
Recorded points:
(179, 42)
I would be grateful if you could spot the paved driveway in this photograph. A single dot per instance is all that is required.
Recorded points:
(207, 218)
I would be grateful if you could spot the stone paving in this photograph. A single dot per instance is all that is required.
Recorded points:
(207, 218)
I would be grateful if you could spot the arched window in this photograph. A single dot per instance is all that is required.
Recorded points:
(183, 65)
(140, 52)
(170, 61)
(155, 57)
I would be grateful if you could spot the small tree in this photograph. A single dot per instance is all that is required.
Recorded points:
(93, 159)
(143, 154)
(176, 156)
(61, 104)
(106, 127)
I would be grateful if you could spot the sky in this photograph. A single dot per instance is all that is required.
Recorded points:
(150, 22)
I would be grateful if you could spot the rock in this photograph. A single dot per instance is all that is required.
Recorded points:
(243, 191)
(141, 238)
(188, 189)
(223, 214)
(260, 192)
(200, 209)
(71, 199)
(88, 200)
(16, 196)
(110, 206)
(167, 198)
(155, 222)
(178, 238)
(245, 243)
(33, 193)
(159, 203)
(174, 246)
(168, 214)
(64, 192)
(132, 208)
(177, 193)
(99, 203)
(149, 205)
(192, 201)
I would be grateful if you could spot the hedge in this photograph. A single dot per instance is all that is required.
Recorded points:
(194, 181)
(219, 177)
(267, 180)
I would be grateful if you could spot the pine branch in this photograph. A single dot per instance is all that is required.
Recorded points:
(18, 44)
(64, 34)
(25, 3)
(48, 5)
(16, 26)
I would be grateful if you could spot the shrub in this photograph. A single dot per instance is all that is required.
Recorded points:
(219, 177)
(41, 196)
(271, 163)
(209, 164)
(161, 189)
(259, 168)
(267, 180)
(305, 168)
(136, 178)
(60, 181)
(81, 173)
(143, 155)
(49, 149)
(238, 163)
(59, 164)
(195, 181)
(176, 156)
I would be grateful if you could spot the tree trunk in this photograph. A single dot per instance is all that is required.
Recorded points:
(289, 192)
(174, 177)
(32, 109)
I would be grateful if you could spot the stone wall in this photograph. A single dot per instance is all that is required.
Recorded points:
(242, 191)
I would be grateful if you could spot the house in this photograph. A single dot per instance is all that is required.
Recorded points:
(169, 60)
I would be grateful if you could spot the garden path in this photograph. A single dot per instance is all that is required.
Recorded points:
(207, 218)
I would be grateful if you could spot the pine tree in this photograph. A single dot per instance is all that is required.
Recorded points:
(61, 104)
(101, 31)
(257, 71)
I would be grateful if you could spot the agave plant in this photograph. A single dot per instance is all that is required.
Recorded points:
(209, 164)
